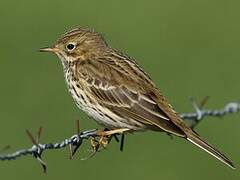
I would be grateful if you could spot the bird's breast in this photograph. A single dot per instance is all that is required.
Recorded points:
(88, 104)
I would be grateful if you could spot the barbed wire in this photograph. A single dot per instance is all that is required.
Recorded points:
(98, 142)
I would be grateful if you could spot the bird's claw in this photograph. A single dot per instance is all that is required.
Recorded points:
(103, 138)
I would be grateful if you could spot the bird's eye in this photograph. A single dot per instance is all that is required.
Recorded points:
(70, 46)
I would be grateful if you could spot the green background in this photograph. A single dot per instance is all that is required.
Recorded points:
(190, 48)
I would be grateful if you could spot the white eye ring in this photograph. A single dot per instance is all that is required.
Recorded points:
(70, 46)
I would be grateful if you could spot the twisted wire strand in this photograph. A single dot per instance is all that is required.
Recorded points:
(76, 140)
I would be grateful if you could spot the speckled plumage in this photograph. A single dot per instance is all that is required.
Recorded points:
(113, 89)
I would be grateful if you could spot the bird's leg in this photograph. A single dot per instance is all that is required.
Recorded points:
(103, 138)
(115, 136)
(112, 132)
(98, 142)
(106, 135)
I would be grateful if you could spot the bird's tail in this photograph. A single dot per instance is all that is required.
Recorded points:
(198, 141)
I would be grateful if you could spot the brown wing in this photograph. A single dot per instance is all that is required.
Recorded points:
(124, 88)
(116, 87)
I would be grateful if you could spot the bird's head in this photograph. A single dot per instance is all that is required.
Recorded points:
(79, 43)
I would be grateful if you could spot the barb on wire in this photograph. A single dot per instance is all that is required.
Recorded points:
(195, 117)
(74, 142)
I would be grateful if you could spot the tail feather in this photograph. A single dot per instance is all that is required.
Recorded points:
(198, 141)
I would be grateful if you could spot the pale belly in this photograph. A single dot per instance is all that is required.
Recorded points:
(100, 114)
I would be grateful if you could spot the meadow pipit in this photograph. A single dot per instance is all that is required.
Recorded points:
(113, 89)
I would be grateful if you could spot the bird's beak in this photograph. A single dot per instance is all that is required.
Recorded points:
(49, 49)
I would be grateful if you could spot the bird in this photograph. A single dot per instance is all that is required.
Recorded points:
(116, 92)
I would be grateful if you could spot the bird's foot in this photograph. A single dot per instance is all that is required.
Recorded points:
(107, 133)
(102, 139)
(105, 136)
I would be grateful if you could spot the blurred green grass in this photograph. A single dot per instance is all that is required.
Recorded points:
(190, 48)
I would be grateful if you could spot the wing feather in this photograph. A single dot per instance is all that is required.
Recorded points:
(132, 102)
